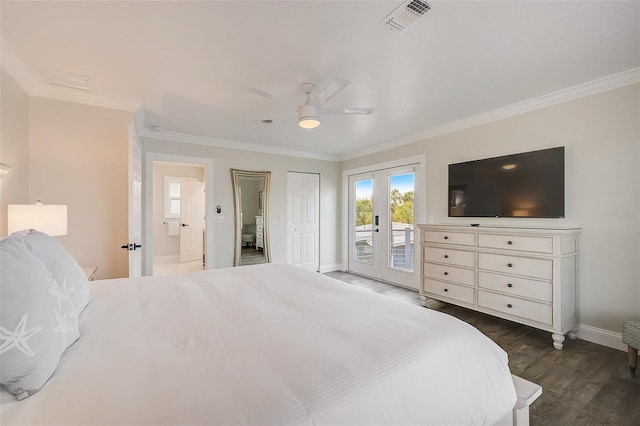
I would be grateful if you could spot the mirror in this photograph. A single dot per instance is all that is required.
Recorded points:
(251, 202)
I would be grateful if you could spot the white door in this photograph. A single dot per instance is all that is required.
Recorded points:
(303, 225)
(381, 225)
(135, 205)
(192, 215)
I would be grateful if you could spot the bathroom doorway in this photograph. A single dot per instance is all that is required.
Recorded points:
(178, 218)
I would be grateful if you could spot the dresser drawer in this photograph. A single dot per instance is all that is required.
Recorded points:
(540, 290)
(450, 273)
(535, 311)
(450, 291)
(460, 238)
(449, 256)
(534, 268)
(514, 242)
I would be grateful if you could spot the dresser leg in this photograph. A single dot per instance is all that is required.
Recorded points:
(573, 333)
(423, 300)
(558, 339)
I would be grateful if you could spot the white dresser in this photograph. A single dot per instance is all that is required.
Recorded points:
(526, 275)
(259, 232)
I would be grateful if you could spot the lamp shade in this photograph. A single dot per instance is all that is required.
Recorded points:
(48, 218)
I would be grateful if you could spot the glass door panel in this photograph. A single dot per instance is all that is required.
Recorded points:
(363, 221)
(401, 221)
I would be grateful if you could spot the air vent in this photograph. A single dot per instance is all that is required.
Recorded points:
(405, 15)
(67, 80)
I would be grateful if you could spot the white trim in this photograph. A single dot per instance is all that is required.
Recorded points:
(166, 259)
(330, 268)
(603, 84)
(420, 209)
(147, 234)
(230, 144)
(601, 337)
(68, 95)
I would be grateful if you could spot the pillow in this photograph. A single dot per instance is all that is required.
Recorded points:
(35, 322)
(66, 271)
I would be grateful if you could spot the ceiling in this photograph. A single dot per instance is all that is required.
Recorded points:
(191, 63)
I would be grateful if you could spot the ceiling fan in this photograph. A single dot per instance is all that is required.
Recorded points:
(309, 113)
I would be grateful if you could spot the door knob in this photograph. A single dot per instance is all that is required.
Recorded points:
(184, 224)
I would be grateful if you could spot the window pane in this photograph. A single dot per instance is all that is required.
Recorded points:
(174, 189)
(401, 189)
(175, 207)
(363, 221)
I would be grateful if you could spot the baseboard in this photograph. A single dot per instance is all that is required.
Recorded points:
(330, 268)
(601, 337)
(166, 259)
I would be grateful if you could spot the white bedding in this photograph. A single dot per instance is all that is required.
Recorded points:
(266, 344)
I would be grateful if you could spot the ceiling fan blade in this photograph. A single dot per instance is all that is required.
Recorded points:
(259, 92)
(332, 89)
(347, 110)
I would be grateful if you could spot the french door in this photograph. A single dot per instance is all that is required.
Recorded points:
(381, 225)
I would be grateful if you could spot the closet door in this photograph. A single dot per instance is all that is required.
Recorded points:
(303, 227)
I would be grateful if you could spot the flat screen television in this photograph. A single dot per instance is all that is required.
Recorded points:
(529, 184)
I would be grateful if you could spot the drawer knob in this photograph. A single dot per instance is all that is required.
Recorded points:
(509, 242)
(509, 285)
(509, 265)
(446, 237)
(446, 290)
(509, 305)
(446, 256)
(446, 273)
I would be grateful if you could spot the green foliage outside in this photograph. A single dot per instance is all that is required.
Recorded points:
(401, 208)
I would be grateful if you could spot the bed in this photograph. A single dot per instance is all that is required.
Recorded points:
(265, 345)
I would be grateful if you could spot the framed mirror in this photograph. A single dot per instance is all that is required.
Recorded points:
(251, 214)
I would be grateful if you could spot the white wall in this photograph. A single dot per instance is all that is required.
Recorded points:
(78, 156)
(163, 244)
(14, 146)
(227, 159)
(601, 134)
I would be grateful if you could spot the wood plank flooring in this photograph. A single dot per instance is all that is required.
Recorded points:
(584, 384)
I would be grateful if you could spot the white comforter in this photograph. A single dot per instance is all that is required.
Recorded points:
(266, 345)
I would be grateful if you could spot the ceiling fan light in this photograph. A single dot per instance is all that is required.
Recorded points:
(308, 122)
(308, 117)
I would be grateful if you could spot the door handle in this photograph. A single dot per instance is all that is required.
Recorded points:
(377, 230)
(131, 246)
(376, 220)
(184, 224)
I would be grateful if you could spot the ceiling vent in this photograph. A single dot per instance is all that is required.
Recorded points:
(405, 15)
(67, 80)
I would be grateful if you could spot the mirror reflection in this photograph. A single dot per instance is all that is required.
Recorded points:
(251, 194)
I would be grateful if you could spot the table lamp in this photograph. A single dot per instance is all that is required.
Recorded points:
(48, 218)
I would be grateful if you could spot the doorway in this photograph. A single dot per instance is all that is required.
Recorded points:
(178, 217)
(383, 204)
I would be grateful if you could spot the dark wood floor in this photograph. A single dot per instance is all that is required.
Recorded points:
(584, 384)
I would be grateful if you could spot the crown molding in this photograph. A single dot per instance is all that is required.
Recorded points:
(85, 98)
(593, 87)
(230, 144)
